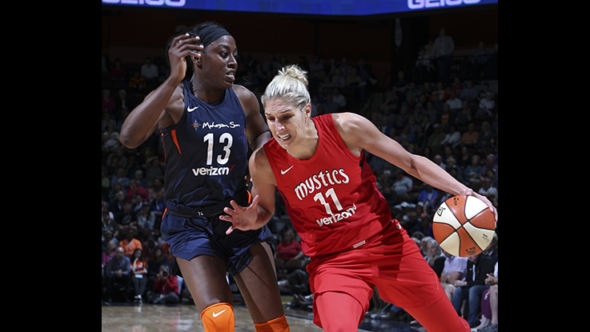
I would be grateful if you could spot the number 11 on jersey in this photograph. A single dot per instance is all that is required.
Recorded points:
(329, 193)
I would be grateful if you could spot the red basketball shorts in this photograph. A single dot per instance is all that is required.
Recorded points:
(392, 262)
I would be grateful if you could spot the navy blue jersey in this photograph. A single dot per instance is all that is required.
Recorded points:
(206, 154)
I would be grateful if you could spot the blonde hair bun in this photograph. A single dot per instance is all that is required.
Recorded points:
(295, 72)
(290, 85)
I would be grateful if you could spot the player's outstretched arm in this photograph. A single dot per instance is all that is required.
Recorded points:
(360, 134)
(259, 212)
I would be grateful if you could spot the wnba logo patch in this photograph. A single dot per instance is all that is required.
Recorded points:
(196, 125)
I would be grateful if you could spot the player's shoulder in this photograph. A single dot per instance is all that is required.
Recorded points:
(349, 123)
(243, 93)
(259, 165)
(247, 98)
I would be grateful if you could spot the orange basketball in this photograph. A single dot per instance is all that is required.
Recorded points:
(463, 226)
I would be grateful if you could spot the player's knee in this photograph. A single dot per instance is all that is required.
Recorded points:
(218, 317)
(274, 325)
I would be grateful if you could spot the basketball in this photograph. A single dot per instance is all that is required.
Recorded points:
(463, 226)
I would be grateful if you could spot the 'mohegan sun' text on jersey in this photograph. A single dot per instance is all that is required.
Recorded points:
(331, 198)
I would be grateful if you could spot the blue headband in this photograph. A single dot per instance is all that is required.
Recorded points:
(210, 34)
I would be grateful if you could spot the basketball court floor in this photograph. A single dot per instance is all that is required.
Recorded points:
(130, 317)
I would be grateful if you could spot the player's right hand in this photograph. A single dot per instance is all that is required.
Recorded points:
(242, 218)
(181, 47)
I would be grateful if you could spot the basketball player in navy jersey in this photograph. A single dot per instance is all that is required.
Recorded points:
(206, 123)
(318, 165)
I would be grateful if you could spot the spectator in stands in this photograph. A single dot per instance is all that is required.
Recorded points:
(138, 274)
(126, 218)
(133, 189)
(117, 275)
(402, 185)
(391, 103)
(149, 71)
(158, 206)
(428, 195)
(436, 138)
(337, 79)
(480, 58)
(330, 106)
(443, 49)
(153, 169)
(486, 140)
(469, 93)
(339, 99)
(455, 268)
(345, 68)
(156, 259)
(122, 100)
(490, 163)
(130, 243)
(463, 118)
(483, 92)
(109, 224)
(413, 224)
(400, 86)
(435, 257)
(471, 289)
(470, 138)
(108, 103)
(454, 102)
(464, 158)
(457, 86)
(145, 219)
(271, 64)
(134, 168)
(109, 253)
(165, 288)
(289, 250)
(116, 205)
(440, 91)
(356, 85)
(137, 82)
(454, 170)
(486, 106)
(401, 119)
(423, 65)
(452, 137)
(366, 72)
(473, 170)
(315, 67)
(487, 189)
(154, 189)
(118, 73)
(491, 310)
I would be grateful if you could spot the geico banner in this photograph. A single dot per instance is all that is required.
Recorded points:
(309, 7)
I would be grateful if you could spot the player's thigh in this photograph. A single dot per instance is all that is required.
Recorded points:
(258, 285)
(338, 311)
(205, 277)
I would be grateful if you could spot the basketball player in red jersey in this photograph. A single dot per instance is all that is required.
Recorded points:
(345, 224)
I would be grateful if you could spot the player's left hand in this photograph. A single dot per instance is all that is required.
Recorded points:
(242, 218)
(485, 200)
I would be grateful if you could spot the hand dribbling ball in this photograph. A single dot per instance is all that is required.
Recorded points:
(463, 226)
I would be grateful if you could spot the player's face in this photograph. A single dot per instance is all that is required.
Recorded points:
(285, 121)
(219, 62)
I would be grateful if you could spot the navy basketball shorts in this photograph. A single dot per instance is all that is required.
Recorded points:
(189, 237)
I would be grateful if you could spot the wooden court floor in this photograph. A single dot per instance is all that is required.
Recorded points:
(184, 317)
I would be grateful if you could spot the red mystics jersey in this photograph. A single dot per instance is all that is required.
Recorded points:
(331, 198)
